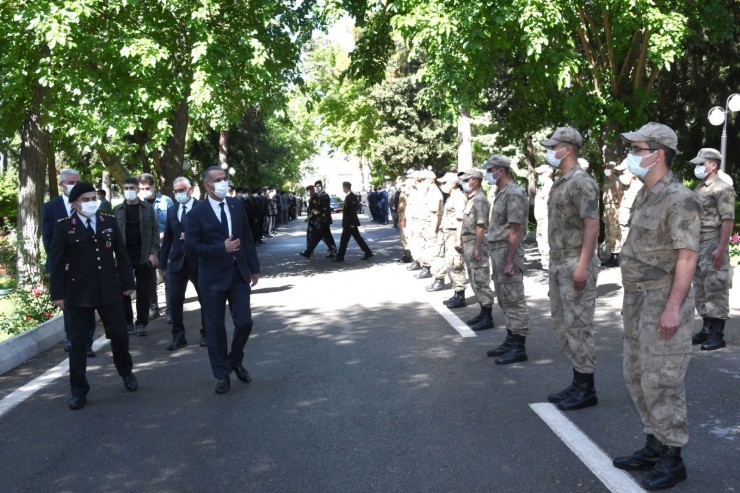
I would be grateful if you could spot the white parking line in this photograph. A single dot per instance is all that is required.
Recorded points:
(19, 395)
(585, 449)
(452, 319)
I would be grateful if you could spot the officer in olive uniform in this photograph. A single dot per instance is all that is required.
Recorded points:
(658, 263)
(474, 247)
(90, 271)
(713, 273)
(506, 230)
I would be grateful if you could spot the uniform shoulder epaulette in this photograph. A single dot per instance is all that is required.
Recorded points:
(106, 214)
(64, 219)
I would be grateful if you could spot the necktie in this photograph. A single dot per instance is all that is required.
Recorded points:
(183, 220)
(71, 210)
(224, 221)
(89, 227)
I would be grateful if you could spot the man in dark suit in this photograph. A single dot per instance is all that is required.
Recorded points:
(51, 212)
(89, 271)
(350, 225)
(218, 234)
(320, 214)
(179, 268)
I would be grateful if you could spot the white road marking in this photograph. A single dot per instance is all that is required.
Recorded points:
(453, 320)
(19, 395)
(585, 449)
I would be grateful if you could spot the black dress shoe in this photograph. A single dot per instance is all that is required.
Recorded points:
(222, 386)
(77, 402)
(242, 374)
(130, 382)
(168, 319)
(338, 259)
(90, 353)
(67, 345)
(367, 256)
(332, 252)
(177, 343)
(203, 341)
(304, 254)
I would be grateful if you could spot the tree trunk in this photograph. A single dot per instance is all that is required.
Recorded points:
(223, 146)
(113, 165)
(53, 178)
(531, 159)
(32, 180)
(105, 185)
(464, 141)
(170, 166)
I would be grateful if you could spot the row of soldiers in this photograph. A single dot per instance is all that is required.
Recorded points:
(669, 238)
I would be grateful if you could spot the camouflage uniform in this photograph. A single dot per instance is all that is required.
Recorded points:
(625, 206)
(712, 285)
(510, 206)
(573, 197)
(414, 211)
(662, 222)
(403, 201)
(451, 262)
(613, 191)
(430, 215)
(540, 215)
(476, 214)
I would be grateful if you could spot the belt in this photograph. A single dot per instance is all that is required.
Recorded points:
(558, 254)
(636, 287)
(708, 236)
(495, 245)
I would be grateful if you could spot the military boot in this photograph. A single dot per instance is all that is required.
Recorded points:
(702, 336)
(414, 266)
(645, 458)
(503, 348)
(716, 339)
(516, 353)
(669, 470)
(565, 393)
(406, 257)
(424, 273)
(612, 261)
(457, 301)
(483, 321)
(583, 394)
(437, 285)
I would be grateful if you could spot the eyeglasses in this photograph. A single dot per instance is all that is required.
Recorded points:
(636, 150)
(183, 190)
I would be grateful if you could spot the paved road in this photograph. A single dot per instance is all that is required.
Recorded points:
(359, 384)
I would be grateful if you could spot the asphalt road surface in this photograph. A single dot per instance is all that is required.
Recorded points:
(361, 382)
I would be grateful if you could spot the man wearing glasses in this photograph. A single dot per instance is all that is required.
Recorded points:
(658, 262)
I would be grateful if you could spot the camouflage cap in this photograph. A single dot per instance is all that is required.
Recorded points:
(472, 173)
(426, 174)
(706, 153)
(411, 173)
(621, 166)
(447, 177)
(496, 160)
(543, 168)
(657, 132)
(564, 135)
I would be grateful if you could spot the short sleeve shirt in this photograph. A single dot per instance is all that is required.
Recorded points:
(662, 222)
(475, 213)
(453, 210)
(717, 200)
(573, 197)
(511, 205)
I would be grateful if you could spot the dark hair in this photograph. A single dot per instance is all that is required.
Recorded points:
(347, 184)
(669, 153)
(310, 187)
(131, 181)
(102, 192)
(319, 183)
(146, 178)
(207, 172)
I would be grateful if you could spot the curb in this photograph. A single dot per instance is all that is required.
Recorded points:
(22, 347)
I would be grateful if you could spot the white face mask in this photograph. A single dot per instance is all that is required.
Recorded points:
(466, 186)
(490, 179)
(551, 159)
(129, 195)
(700, 172)
(89, 208)
(607, 172)
(221, 189)
(633, 164)
(182, 197)
(68, 188)
(146, 194)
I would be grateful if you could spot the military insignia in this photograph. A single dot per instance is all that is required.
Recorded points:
(108, 245)
(102, 219)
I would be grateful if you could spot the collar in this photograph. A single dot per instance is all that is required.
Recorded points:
(215, 203)
(663, 182)
(189, 203)
(708, 181)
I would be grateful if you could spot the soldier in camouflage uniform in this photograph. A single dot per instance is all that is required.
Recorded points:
(413, 230)
(658, 262)
(544, 179)
(612, 195)
(506, 229)
(573, 228)
(430, 214)
(403, 201)
(713, 276)
(632, 186)
(473, 245)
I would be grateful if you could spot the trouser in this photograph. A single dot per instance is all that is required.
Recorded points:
(624, 230)
(510, 289)
(284, 214)
(450, 262)
(654, 369)
(414, 239)
(479, 272)
(712, 285)
(573, 311)
(115, 330)
(428, 243)
(179, 285)
(142, 273)
(354, 232)
(612, 233)
(542, 244)
(90, 331)
(152, 288)
(402, 233)
(320, 231)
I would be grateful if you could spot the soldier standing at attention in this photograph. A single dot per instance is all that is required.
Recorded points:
(612, 195)
(713, 273)
(473, 245)
(544, 179)
(572, 231)
(80, 284)
(403, 200)
(658, 263)
(414, 212)
(507, 227)
(430, 214)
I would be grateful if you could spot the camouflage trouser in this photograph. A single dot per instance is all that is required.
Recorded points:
(414, 240)
(479, 272)
(654, 369)
(450, 262)
(612, 233)
(542, 244)
(402, 233)
(573, 312)
(624, 230)
(510, 290)
(712, 286)
(430, 245)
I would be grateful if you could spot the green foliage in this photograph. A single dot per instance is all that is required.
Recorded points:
(27, 306)
(735, 250)
(9, 195)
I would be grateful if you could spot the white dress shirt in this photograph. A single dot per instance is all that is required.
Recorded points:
(216, 206)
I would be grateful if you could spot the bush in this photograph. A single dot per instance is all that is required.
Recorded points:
(26, 307)
(735, 250)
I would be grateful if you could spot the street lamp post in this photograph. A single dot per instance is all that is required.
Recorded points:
(718, 116)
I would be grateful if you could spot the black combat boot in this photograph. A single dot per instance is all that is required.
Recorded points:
(612, 261)
(645, 458)
(565, 393)
(457, 301)
(716, 339)
(503, 348)
(406, 257)
(437, 285)
(583, 394)
(414, 266)
(516, 352)
(483, 321)
(702, 336)
(424, 273)
(668, 472)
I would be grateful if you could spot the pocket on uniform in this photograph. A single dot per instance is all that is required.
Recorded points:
(669, 361)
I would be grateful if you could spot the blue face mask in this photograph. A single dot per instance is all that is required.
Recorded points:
(633, 164)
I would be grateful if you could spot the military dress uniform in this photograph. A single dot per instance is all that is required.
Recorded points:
(90, 271)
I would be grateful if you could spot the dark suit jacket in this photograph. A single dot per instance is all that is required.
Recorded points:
(173, 250)
(89, 270)
(349, 214)
(51, 212)
(204, 238)
(324, 207)
(149, 227)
